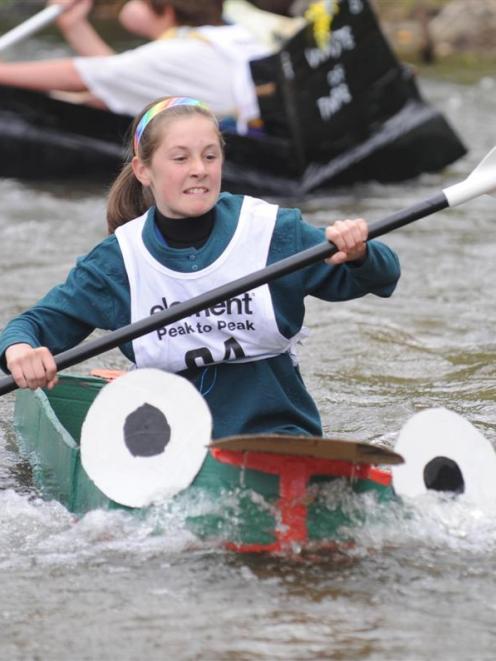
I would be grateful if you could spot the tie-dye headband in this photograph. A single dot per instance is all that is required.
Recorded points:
(171, 102)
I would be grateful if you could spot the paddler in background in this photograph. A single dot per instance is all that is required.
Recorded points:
(193, 52)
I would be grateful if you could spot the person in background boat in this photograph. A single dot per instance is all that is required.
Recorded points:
(193, 53)
(173, 235)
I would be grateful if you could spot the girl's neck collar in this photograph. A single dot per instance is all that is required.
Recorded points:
(185, 232)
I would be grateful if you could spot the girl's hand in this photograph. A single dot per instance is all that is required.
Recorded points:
(31, 368)
(349, 237)
(77, 14)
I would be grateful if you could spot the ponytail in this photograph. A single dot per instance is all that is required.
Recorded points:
(127, 199)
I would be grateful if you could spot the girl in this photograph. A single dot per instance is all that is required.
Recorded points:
(174, 236)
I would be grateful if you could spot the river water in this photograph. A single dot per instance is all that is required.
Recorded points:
(108, 586)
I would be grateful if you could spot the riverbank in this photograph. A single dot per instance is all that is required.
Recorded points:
(451, 39)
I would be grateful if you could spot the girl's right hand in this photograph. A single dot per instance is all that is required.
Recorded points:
(31, 368)
(68, 19)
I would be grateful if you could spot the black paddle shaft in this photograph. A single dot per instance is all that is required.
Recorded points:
(224, 292)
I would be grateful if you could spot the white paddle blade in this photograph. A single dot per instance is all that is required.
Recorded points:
(145, 437)
(481, 181)
(30, 26)
(445, 452)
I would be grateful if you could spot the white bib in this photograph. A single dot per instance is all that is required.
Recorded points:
(243, 328)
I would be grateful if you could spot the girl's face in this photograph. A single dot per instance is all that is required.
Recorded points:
(186, 169)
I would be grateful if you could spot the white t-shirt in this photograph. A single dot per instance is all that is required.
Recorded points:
(212, 66)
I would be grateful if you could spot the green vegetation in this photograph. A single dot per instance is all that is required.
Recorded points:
(464, 68)
(405, 23)
(404, 9)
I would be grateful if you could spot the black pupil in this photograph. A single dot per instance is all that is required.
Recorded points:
(443, 474)
(146, 431)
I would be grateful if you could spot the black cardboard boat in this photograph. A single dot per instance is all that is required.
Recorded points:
(340, 114)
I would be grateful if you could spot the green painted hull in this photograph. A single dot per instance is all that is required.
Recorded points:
(245, 508)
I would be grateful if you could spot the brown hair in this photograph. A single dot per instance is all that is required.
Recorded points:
(192, 12)
(128, 198)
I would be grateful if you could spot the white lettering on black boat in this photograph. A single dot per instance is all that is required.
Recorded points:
(341, 40)
(356, 6)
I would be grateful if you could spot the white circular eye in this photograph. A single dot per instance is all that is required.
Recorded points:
(444, 452)
(145, 437)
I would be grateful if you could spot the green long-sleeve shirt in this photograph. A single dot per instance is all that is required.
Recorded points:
(259, 396)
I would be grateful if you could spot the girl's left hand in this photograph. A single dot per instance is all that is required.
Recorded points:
(349, 237)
